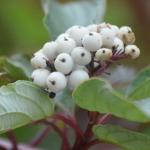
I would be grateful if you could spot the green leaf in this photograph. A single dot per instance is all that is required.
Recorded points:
(98, 95)
(65, 102)
(18, 66)
(61, 16)
(22, 103)
(126, 139)
(142, 91)
(141, 77)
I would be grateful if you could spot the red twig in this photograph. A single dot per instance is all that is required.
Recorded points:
(88, 132)
(65, 142)
(40, 137)
(90, 144)
(2, 148)
(13, 140)
(70, 121)
(104, 119)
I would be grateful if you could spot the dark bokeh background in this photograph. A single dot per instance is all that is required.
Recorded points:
(22, 31)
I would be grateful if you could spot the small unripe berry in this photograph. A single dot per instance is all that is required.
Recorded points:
(56, 82)
(92, 41)
(76, 78)
(118, 47)
(81, 56)
(39, 60)
(103, 54)
(77, 34)
(39, 77)
(64, 63)
(50, 50)
(108, 36)
(133, 51)
(126, 34)
(92, 28)
(65, 45)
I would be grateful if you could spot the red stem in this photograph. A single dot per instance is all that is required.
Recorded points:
(13, 140)
(41, 136)
(70, 121)
(2, 148)
(104, 119)
(88, 132)
(65, 142)
(90, 144)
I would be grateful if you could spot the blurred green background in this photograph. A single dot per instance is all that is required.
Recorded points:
(22, 31)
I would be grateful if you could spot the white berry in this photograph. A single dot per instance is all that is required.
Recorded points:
(39, 60)
(50, 50)
(133, 51)
(64, 63)
(103, 54)
(108, 36)
(62, 36)
(77, 34)
(39, 77)
(92, 28)
(101, 26)
(115, 29)
(118, 46)
(71, 28)
(76, 78)
(81, 56)
(65, 45)
(92, 41)
(56, 82)
(79, 67)
(126, 34)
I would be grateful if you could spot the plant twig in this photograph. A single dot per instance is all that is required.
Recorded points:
(65, 142)
(104, 119)
(70, 121)
(13, 140)
(2, 147)
(40, 136)
(90, 144)
(88, 132)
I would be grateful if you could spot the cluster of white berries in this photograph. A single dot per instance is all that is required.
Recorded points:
(65, 62)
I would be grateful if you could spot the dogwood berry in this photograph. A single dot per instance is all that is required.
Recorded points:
(118, 46)
(77, 34)
(133, 51)
(108, 36)
(115, 29)
(103, 54)
(76, 78)
(101, 26)
(79, 67)
(39, 77)
(92, 28)
(56, 82)
(72, 28)
(50, 50)
(65, 45)
(92, 41)
(39, 60)
(126, 35)
(64, 63)
(62, 36)
(81, 56)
